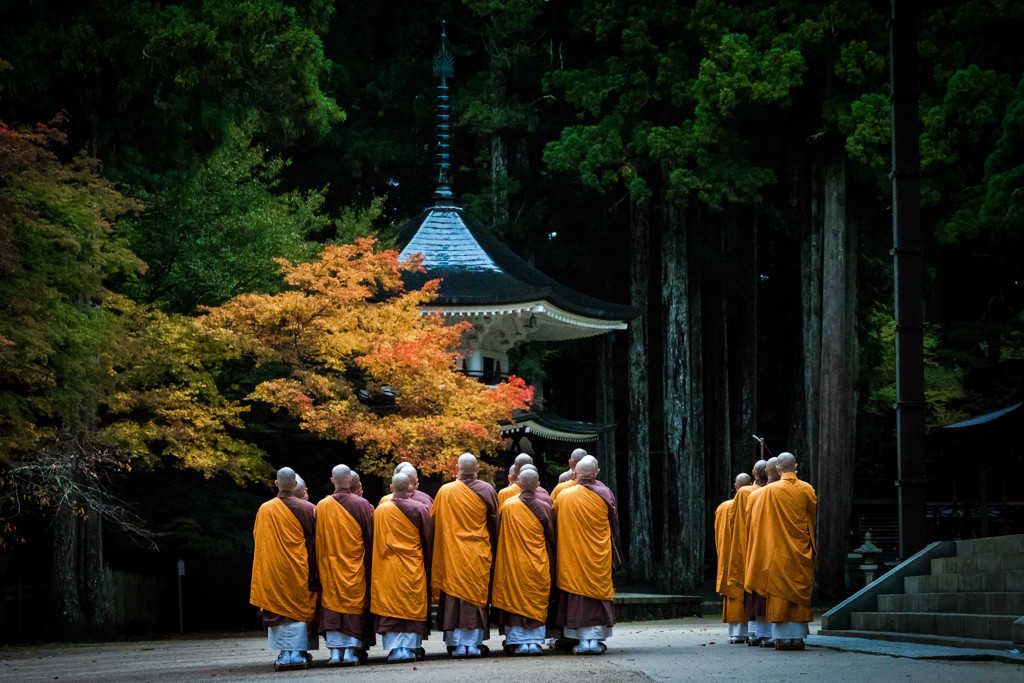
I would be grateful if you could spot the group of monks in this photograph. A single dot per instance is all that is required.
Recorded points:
(764, 536)
(349, 572)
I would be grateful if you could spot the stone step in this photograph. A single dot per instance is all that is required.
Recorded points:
(978, 564)
(962, 603)
(984, 582)
(924, 639)
(983, 626)
(990, 546)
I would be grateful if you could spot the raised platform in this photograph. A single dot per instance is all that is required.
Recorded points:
(651, 606)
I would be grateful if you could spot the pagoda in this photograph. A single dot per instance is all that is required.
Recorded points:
(483, 282)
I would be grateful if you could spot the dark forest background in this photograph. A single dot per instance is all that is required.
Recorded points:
(721, 167)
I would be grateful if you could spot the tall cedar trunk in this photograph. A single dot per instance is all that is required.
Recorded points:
(684, 496)
(694, 459)
(717, 432)
(606, 412)
(499, 180)
(743, 356)
(838, 400)
(639, 401)
(811, 284)
(98, 597)
(66, 613)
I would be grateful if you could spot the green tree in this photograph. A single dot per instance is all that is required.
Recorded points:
(151, 85)
(212, 230)
(666, 104)
(90, 383)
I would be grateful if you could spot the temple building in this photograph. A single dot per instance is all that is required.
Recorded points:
(504, 298)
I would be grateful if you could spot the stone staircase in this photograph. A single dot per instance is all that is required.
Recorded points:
(972, 597)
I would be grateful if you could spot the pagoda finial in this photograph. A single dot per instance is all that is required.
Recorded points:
(444, 68)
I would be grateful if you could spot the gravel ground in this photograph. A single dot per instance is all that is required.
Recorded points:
(677, 650)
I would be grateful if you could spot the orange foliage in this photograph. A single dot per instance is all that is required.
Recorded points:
(358, 361)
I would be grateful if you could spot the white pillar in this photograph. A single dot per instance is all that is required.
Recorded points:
(476, 362)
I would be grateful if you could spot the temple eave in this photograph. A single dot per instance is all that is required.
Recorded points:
(555, 428)
(546, 321)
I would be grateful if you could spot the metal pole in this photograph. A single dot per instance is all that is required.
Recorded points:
(181, 612)
(908, 272)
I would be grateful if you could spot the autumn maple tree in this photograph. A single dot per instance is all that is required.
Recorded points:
(356, 360)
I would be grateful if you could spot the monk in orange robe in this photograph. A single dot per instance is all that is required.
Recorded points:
(284, 571)
(541, 492)
(344, 548)
(780, 564)
(759, 627)
(465, 538)
(586, 527)
(524, 567)
(400, 585)
(414, 478)
(574, 458)
(513, 486)
(726, 528)
(737, 549)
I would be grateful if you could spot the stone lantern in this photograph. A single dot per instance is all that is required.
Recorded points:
(868, 550)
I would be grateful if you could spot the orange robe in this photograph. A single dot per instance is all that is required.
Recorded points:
(561, 487)
(507, 493)
(398, 588)
(732, 596)
(281, 564)
(342, 556)
(464, 530)
(584, 544)
(735, 553)
(736, 550)
(780, 551)
(522, 571)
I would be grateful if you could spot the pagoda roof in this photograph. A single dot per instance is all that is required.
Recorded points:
(477, 271)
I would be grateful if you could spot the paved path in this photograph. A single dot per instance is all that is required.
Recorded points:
(676, 650)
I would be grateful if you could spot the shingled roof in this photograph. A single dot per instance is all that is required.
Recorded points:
(476, 269)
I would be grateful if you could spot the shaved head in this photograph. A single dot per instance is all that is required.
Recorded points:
(523, 459)
(760, 472)
(576, 456)
(565, 476)
(400, 483)
(787, 462)
(409, 471)
(587, 467)
(402, 464)
(354, 485)
(528, 467)
(513, 475)
(286, 479)
(772, 469)
(468, 464)
(529, 480)
(742, 480)
(300, 486)
(341, 475)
